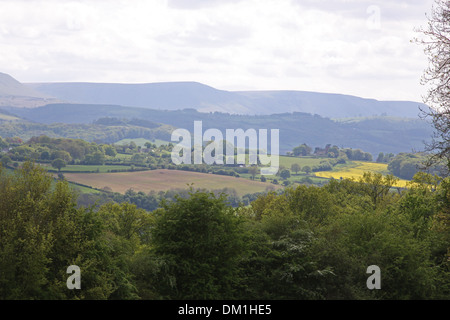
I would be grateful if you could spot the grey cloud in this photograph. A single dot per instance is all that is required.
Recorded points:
(198, 4)
(389, 10)
(209, 35)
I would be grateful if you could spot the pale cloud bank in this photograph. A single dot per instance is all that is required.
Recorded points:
(346, 46)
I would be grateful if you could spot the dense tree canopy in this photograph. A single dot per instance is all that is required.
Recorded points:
(304, 243)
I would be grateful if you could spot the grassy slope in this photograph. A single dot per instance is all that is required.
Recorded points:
(141, 142)
(82, 189)
(301, 161)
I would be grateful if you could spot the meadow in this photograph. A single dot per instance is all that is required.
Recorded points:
(286, 161)
(140, 142)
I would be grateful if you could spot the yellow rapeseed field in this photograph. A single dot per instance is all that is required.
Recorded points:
(357, 170)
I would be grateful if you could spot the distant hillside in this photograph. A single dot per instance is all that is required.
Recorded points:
(302, 117)
(203, 98)
(11, 87)
(88, 132)
(372, 134)
(15, 94)
(328, 104)
(165, 96)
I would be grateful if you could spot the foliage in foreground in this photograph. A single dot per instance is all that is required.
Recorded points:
(306, 243)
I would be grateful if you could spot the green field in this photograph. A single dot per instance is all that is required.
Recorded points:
(301, 161)
(123, 156)
(82, 189)
(140, 142)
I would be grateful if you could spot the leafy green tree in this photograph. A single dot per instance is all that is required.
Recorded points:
(295, 167)
(380, 157)
(441, 225)
(5, 160)
(42, 233)
(96, 157)
(45, 155)
(61, 154)
(127, 231)
(129, 236)
(253, 170)
(367, 156)
(58, 164)
(333, 152)
(302, 150)
(23, 152)
(3, 144)
(200, 241)
(377, 186)
(110, 151)
(280, 265)
(351, 243)
(307, 169)
(406, 165)
(132, 145)
(138, 158)
(285, 174)
(357, 154)
(408, 169)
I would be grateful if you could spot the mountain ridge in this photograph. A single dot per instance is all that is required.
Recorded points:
(181, 95)
(11, 87)
(204, 98)
(15, 94)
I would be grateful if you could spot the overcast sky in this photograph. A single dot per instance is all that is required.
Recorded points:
(352, 47)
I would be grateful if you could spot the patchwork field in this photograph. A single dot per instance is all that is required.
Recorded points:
(163, 180)
(301, 161)
(357, 170)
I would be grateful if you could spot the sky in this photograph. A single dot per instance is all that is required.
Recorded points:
(355, 47)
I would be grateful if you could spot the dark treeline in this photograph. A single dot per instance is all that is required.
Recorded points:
(151, 201)
(305, 243)
(406, 165)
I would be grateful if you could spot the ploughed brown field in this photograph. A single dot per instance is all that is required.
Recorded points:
(163, 180)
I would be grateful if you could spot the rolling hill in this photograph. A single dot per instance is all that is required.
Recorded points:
(302, 117)
(372, 134)
(15, 94)
(203, 98)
